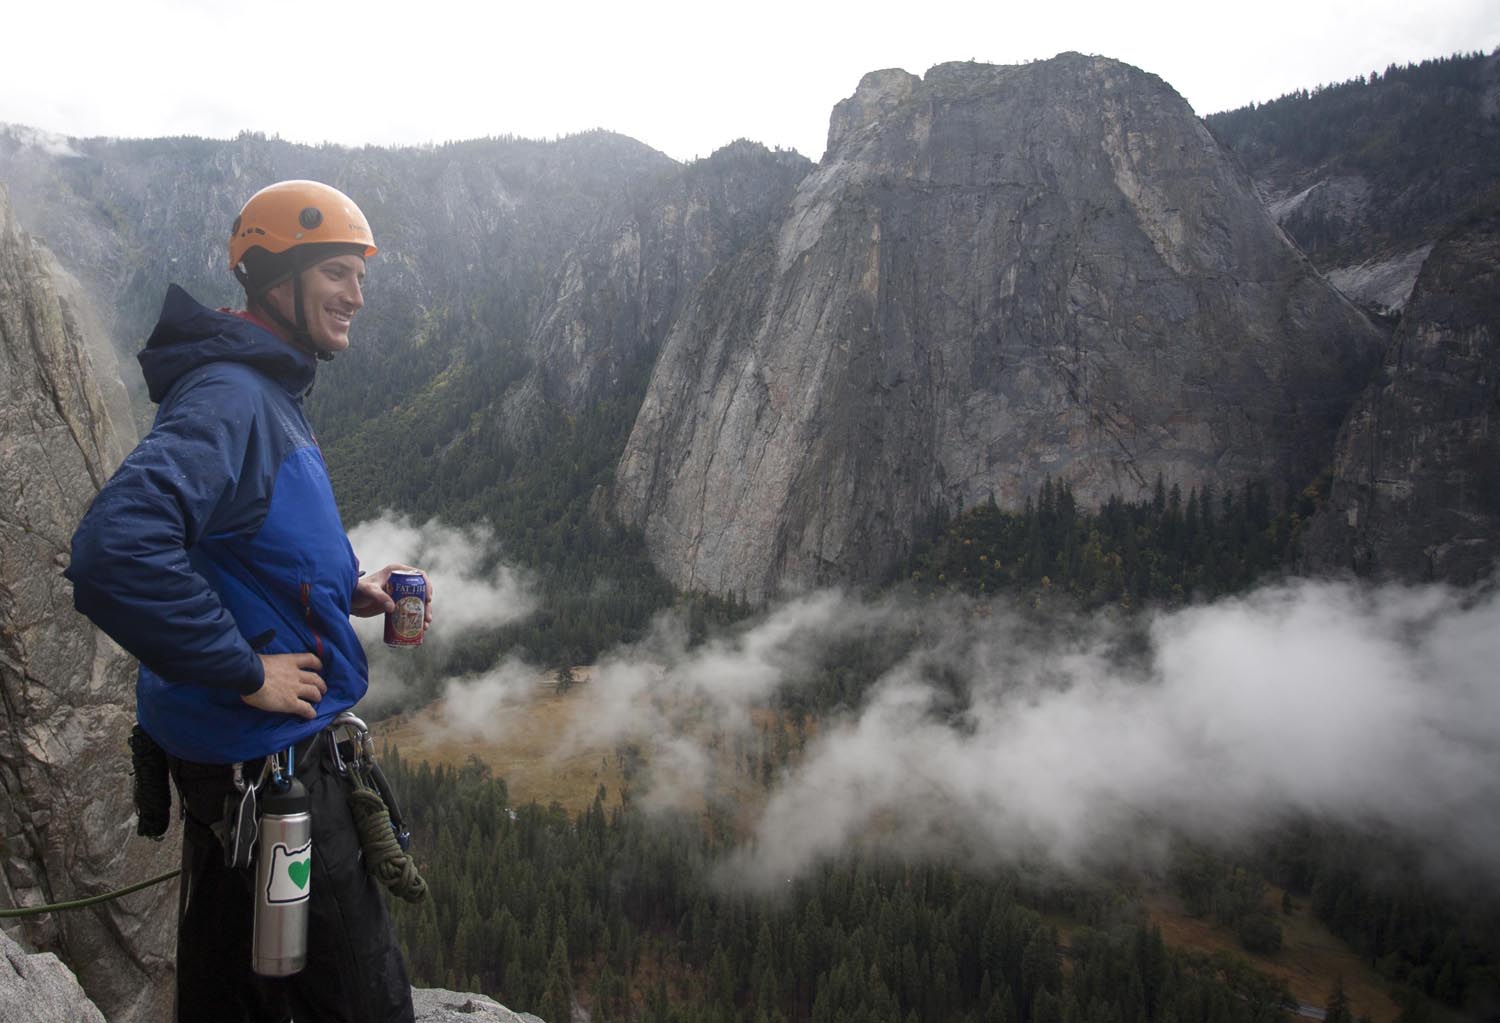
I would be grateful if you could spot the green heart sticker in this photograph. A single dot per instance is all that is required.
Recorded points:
(298, 871)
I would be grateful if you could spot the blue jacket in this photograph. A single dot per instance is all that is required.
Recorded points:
(218, 538)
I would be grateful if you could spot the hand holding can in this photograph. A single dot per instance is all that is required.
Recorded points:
(405, 625)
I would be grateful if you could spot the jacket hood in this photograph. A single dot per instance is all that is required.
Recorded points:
(189, 334)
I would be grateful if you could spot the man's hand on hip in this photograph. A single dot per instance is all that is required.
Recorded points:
(292, 685)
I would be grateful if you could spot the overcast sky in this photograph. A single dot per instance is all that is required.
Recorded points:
(684, 78)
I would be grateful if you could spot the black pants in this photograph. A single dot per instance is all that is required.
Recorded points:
(354, 972)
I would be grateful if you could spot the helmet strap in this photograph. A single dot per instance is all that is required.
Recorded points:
(298, 335)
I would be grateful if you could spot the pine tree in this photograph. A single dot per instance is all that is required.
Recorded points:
(1337, 1010)
(557, 994)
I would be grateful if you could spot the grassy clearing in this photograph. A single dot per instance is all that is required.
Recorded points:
(530, 741)
(523, 745)
(1310, 961)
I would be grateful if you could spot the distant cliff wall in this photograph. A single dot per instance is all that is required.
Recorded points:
(997, 275)
(1416, 484)
(619, 291)
(1365, 175)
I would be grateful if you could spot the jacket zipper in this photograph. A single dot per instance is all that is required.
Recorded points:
(307, 613)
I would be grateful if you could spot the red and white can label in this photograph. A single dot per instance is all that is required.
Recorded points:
(405, 625)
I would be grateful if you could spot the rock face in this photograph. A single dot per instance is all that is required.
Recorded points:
(65, 787)
(997, 275)
(1415, 493)
(1381, 284)
(38, 988)
(623, 284)
(437, 1005)
(619, 291)
(471, 234)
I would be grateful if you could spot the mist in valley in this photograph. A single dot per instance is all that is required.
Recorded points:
(471, 590)
(997, 733)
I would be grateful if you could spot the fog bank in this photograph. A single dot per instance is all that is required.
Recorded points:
(1365, 706)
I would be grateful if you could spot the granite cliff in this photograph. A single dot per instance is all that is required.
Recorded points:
(620, 289)
(37, 987)
(997, 275)
(1415, 495)
(471, 234)
(66, 811)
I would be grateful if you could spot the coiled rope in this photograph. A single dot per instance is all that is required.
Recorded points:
(386, 861)
(153, 803)
(153, 790)
(390, 864)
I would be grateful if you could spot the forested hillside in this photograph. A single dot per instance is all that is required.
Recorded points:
(1378, 164)
(1165, 550)
(631, 913)
(623, 914)
(628, 915)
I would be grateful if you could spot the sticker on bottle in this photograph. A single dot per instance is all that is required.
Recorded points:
(291, 870)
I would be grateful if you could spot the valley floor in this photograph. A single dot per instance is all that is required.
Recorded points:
(530, 749)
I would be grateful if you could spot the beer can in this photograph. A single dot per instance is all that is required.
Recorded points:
(405, 625)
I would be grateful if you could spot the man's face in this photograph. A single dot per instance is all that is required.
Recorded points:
(332, 292)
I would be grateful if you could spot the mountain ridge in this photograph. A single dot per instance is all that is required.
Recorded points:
(543, 278)
(998, 275)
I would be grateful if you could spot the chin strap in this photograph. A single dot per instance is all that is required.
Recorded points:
(300, 338)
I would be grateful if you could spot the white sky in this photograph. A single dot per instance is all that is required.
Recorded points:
(685, 78)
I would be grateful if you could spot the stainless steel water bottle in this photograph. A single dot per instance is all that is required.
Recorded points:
(283, 881)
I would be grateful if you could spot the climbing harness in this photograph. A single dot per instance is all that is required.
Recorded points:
(377, 817)
(383, 834)
(239, 830)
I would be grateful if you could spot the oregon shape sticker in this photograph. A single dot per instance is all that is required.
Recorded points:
(291, 870)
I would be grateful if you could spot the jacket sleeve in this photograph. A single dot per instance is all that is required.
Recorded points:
(131, 571)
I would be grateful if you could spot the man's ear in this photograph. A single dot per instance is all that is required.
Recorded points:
(283, 298)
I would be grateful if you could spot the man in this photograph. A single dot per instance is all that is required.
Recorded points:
(217, 557)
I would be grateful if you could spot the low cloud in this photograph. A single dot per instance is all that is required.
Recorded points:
(997, 734)
(472, 589)
(645, 688)
(1375, 707)
(475, 707)
(1094, 740)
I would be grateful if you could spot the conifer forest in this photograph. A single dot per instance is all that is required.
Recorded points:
(622, 911)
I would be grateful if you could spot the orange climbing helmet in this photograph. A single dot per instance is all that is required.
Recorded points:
(289, 214)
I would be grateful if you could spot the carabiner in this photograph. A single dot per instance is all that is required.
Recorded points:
(237, 771)
(358, 734)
